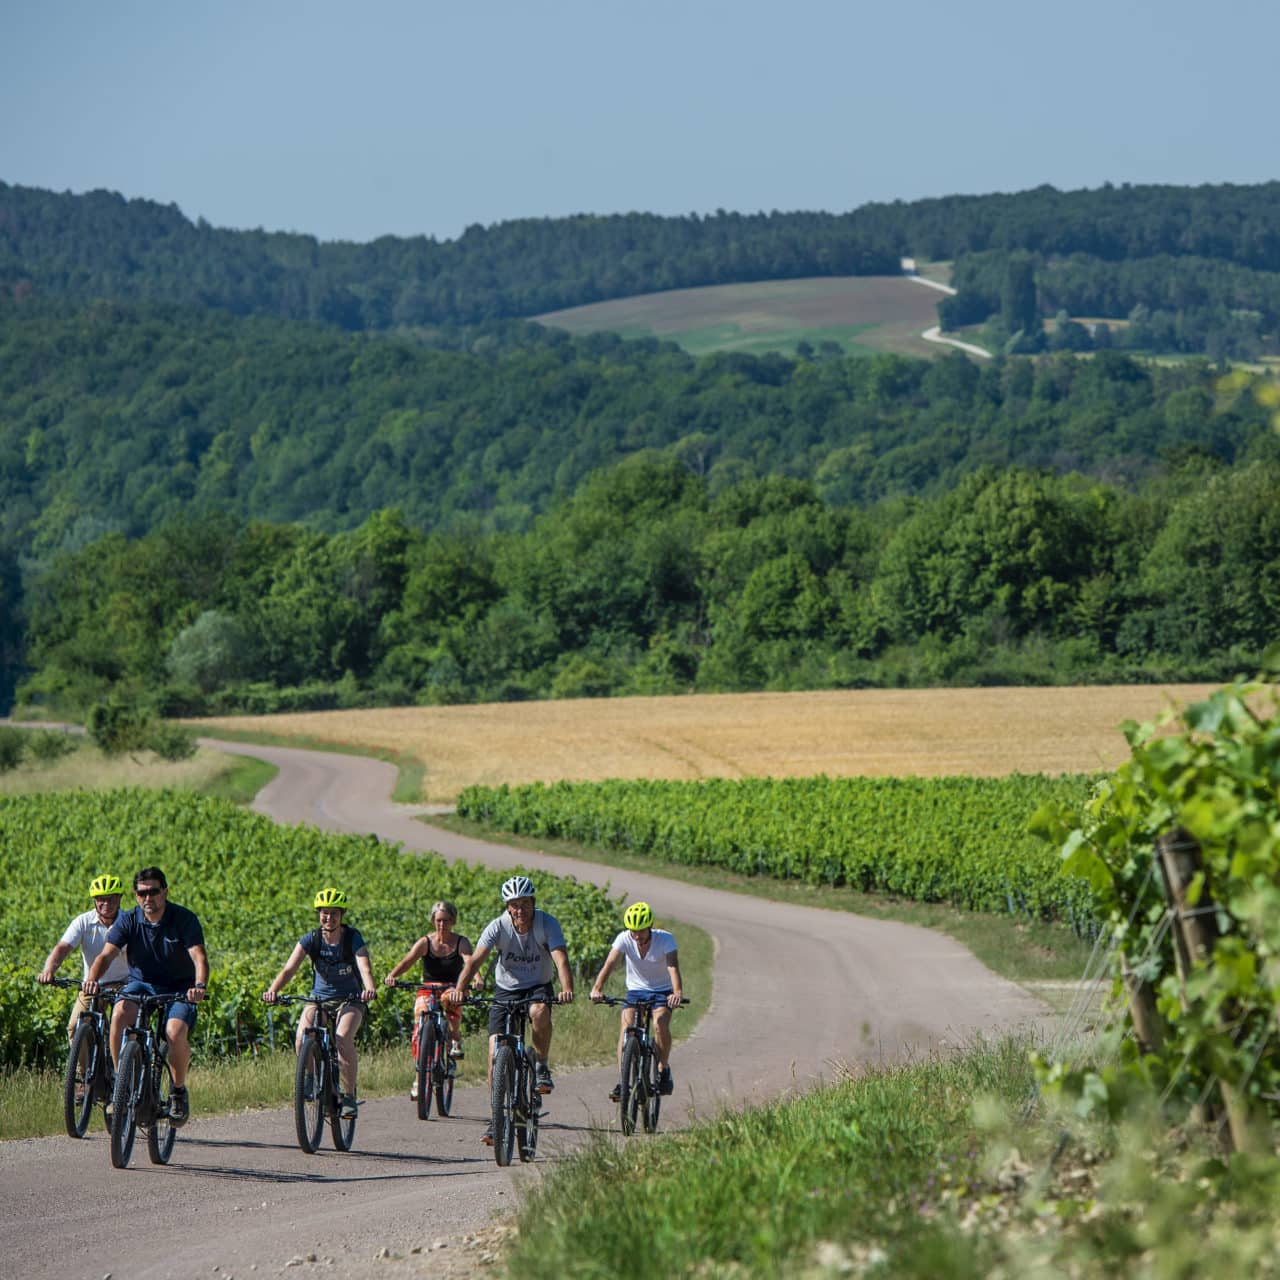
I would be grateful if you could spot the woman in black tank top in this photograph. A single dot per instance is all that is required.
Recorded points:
(443, 954)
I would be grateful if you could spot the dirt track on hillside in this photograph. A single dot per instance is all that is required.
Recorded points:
(240, 1198)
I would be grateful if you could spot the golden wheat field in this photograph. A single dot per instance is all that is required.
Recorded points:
(926, 732)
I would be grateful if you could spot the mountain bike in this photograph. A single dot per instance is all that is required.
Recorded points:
(144, 1084)
(639, 1096)
(436, 1069)
(317, 1080)
(90, 1076)
(514, 1097)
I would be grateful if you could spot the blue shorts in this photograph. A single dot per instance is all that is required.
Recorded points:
(182, 1009)
(636, 994)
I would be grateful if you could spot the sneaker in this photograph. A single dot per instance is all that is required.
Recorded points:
(615, 1094)
(665, 1082)
(487, 1136)
(179, 1107)
(413, 1089)
(543, 1082)
(456, 1050)
(349, 1107)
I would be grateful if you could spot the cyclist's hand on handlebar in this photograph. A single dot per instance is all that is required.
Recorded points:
(388, 981)
(44, 977)
(268, 997)
(369, 994)
(565, 997)
(197, 994)
(452, 996)
(89, 987)
(596, 995)
(674, 1001)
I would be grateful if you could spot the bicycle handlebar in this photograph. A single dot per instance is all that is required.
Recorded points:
(104, 988)
(652, 1002)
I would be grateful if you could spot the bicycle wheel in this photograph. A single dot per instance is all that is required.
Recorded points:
(124, 1103)
(426, 1065)
(445, 1071)
(630, 1100)
(529, 1109)
(652, 1098)
(77, 1091)
(342, 1131)
(160, 1132)
(504, 1103)
(309, 1087)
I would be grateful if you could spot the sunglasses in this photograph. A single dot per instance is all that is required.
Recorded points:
(147, 893)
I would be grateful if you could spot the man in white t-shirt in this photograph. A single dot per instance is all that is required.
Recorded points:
(653, 973)
(89, 933)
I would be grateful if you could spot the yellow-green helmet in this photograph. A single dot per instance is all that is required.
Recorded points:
(639, 915)
(102, 886)
(330, 897)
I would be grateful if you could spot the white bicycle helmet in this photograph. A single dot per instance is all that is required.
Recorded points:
(518, 887)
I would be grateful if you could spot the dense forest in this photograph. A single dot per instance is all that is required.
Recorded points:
(1204, 260)
(645, 582)
(361, 473)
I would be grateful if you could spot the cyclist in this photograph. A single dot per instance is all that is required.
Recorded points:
(166, 951)
(530, 951)
(88, 931)
(443, 953)
(653, 973)
(340, 971)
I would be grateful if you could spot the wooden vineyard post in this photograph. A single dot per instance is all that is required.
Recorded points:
(1195, 932)
(1148, 1026)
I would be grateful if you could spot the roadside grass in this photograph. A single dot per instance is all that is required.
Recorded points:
(1022, 950)
(85, 767)
(949, 1169)
(410, 776)
(827, 1183)
(585, 1035)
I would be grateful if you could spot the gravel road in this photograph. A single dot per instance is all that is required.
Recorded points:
(414, 1198)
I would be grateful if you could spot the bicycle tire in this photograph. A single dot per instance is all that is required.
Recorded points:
(342, 1131)
(652, 1097)
(309, 1085)
(81, 1078)
(630, 1099)
(530, 1109)
(426, 1065)
(161, 1133)
(446, 1070)
(504, 1102)
(124, 1103)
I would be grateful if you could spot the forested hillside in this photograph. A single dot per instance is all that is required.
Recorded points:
(647, 582)
(117, 418)
(1206, 260)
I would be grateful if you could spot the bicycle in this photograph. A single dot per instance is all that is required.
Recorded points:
(514, 1097)
(639, 1095)
(144, 1084)
(90, 1076)
(436, 1069)
(317, 1079)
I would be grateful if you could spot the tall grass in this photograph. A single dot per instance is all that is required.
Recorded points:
(840, 1172)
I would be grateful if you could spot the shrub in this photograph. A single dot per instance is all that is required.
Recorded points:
(12, 746)
(49, 745)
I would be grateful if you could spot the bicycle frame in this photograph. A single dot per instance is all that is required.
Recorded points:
(434, 1067)
(89, 1076)
(318, 1084)
(639, 1095)
(144, 1082)
(516, 1103)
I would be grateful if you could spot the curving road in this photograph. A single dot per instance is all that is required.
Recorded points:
(242, 1199)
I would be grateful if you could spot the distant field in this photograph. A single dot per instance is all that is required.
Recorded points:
(862, 314)
(925, 732)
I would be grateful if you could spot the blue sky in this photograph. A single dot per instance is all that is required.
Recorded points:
(349, 121)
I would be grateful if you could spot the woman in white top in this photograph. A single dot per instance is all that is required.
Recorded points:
(653, 973)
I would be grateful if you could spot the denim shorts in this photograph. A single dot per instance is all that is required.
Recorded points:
(182, 1009)
(636, 994)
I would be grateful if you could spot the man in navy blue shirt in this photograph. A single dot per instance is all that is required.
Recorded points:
(165, 945)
